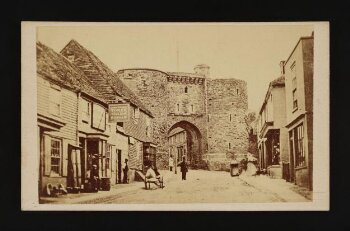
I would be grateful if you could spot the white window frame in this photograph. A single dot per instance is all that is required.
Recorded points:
(101, 120)
(59, 172)
(86, 112)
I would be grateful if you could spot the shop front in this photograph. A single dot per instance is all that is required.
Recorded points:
(95, 160)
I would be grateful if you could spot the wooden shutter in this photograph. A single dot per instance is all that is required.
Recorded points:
(65, 151)
(47, 155)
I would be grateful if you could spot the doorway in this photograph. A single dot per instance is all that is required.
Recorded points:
(291, 156)
(119, 167)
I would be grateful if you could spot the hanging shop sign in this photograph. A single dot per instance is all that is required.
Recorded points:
(118, 112)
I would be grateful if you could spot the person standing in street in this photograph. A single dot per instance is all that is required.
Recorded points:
(171, 163)
(183, 168)
(125, 171)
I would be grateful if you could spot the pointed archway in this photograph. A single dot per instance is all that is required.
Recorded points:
(191, 147)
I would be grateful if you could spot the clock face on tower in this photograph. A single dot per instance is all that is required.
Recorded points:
(98, 117)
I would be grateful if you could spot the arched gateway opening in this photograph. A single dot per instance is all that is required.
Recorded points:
(185, 139)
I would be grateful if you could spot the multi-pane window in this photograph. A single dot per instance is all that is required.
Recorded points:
(55, 156)
(295, 99)
(108, 156)
(299, 146)
(55, 101)
(294, 85)
(85, 110)
(148, 126)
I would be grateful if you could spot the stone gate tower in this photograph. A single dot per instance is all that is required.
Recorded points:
(211, 111)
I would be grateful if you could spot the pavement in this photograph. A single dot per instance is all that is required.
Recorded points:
(200, 187)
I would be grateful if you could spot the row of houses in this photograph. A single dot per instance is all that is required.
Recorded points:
(75, 91)
(285, 121)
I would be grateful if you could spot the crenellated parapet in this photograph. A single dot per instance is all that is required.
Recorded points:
(185, 79)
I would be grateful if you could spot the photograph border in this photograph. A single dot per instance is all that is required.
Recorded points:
(29, 174)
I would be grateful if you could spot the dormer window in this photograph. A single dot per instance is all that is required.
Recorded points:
(71, 58)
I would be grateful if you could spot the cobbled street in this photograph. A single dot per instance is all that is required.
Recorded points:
(200, 186)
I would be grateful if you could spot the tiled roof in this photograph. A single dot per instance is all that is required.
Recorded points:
(56, 67)
(104, 79)
(278, 81)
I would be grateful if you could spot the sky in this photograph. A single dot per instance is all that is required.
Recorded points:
(246, 51)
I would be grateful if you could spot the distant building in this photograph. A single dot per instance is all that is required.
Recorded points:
(299, 110)
(178, 145)
(273, 137)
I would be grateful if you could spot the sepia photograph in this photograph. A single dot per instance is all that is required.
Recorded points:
(175, 116)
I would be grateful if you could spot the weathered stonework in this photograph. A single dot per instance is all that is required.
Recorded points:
(198, 104)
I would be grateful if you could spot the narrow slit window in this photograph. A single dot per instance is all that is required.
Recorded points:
(230, 117)
(186, 89)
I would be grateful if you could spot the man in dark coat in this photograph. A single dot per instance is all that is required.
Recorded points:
(125, 171)
(183, 168)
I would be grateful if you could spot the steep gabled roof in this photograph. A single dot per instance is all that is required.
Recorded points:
(57, 68)
(104, 79)
(280, 81)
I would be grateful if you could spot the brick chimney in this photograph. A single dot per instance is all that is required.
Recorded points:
(282, 67)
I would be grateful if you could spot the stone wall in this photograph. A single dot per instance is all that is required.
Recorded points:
(151, 88)
(182, 100)
(190, 102)
(227, 135)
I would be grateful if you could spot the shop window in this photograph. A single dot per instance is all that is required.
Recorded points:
(55, 157)
(108, 157)
(299, 146)
(55, 100)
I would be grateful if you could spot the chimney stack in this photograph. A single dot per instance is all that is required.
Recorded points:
(282, 67)
(202, 69)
